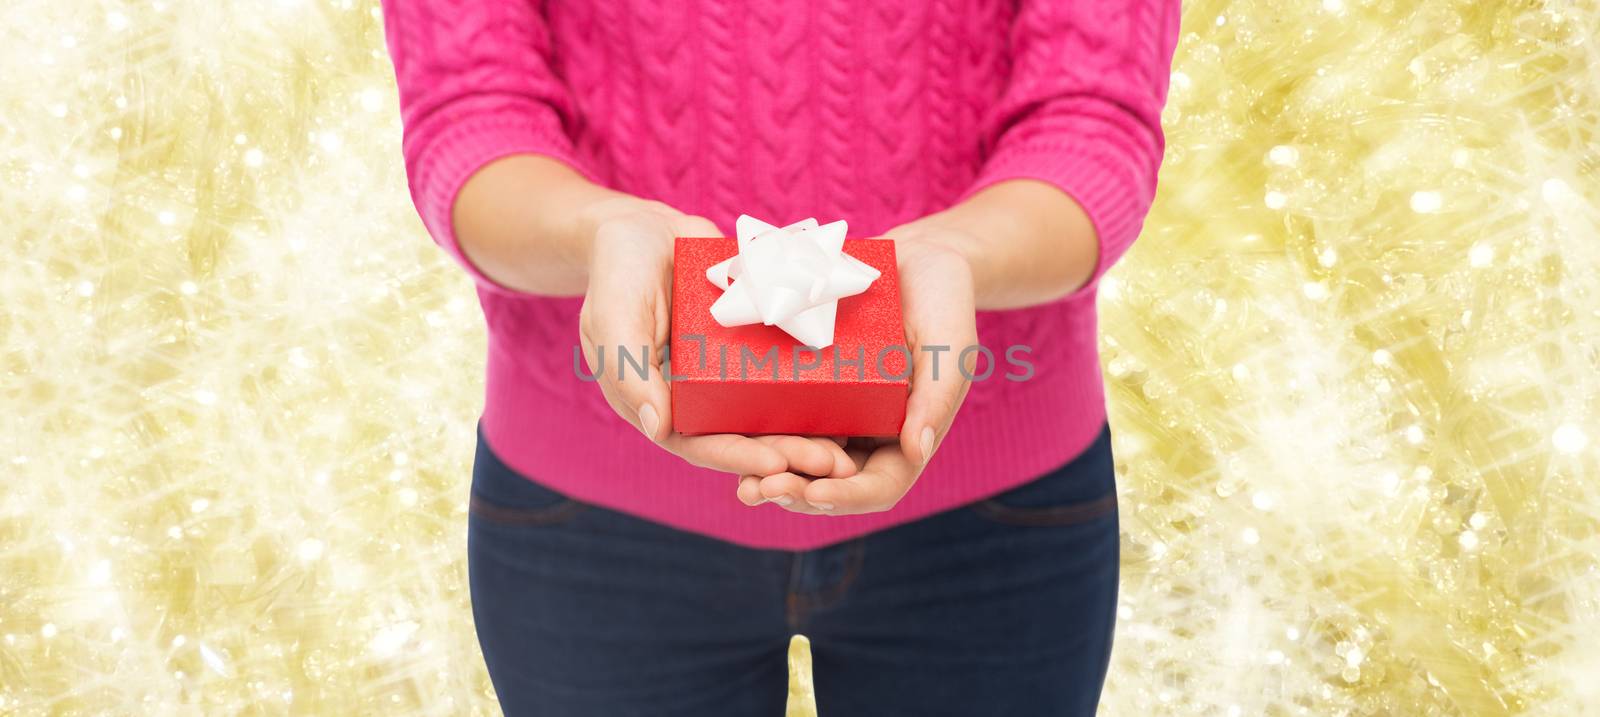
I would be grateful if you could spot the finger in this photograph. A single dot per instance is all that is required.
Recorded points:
(843, 465)
(626, 316)
(804, 455)
(639, 395)
(860, 449)
(749, 491)
(787, 490)
(887, 476)
(627, 351)
(608, 391)
(728, 452)
(930, 410)
(939, 383)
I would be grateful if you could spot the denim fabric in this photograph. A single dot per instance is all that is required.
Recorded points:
(1001, 607)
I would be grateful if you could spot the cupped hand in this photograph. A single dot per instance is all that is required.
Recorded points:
(628, 305)
(938, 306)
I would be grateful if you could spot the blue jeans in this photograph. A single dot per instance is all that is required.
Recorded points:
(1001, 607)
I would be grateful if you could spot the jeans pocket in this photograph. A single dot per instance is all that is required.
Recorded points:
(1082, 490)
(500, 494)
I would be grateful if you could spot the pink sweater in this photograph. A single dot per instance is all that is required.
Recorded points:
(875, 111)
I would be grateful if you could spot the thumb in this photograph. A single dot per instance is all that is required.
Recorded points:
(632, 377)
(934, 400)
(941, 328)
(622, 322)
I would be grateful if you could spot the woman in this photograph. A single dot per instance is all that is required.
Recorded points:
(969, 567)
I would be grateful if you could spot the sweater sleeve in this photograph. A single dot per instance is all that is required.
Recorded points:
(1082, 110)
(476, 84)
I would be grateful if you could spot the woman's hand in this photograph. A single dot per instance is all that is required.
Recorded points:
(937, 300)
(628, 305)
(1015, 243)
(532, 224)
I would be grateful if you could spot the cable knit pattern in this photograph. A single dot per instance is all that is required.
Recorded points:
(873, 111)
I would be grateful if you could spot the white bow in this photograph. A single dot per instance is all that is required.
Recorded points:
(792, 278)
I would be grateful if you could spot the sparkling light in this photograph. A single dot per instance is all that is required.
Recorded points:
(1406, 378)
(1351, 368)
(1284, 154)
(1426, 202)
(1570, 439)
(1480, 255)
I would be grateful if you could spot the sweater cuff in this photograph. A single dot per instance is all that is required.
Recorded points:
(1115, 200)
(465, 147)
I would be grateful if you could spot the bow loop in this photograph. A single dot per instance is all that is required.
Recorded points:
(791, 277)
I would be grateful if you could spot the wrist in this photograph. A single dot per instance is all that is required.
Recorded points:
(621, 218)
(932, 240)
(605, 207)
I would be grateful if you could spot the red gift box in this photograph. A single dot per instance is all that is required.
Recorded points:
(757, 379)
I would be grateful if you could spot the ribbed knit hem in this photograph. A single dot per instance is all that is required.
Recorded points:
(536, 425)
(465, 147)
(1114, 200)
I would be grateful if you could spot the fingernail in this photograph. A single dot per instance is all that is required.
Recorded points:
(782, 500)
(648, 420)
(927, 444)
(822, 506)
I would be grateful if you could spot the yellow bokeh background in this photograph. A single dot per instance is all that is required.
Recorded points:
(1353, 363)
